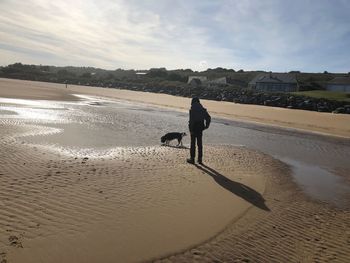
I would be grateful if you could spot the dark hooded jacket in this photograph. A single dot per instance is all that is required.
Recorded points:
(199, 118)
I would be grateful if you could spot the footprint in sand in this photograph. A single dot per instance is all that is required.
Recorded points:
(3, 257)
(15, 242)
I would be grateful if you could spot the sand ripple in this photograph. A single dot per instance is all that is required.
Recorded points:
(140, 203)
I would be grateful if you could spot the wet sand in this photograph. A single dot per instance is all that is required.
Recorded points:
(138, 204)
(141, 203)
(323, 123)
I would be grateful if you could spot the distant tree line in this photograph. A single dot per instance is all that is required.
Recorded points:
(109, 78)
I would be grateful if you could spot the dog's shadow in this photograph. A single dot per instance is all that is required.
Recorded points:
(243, 191)
(175, 146)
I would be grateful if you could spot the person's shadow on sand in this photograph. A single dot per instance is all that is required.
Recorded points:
(241, 190)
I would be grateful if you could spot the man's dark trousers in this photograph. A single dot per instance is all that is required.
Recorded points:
(196, 137)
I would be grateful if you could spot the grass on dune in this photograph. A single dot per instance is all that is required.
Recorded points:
(330, 95)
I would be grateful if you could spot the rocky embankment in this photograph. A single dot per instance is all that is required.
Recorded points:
(283, 100)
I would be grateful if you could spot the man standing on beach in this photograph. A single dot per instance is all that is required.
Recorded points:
(196, 125)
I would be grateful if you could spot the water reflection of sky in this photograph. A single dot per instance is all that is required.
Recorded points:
(318, 182)
(31, 103)
(31, 110)
(33, 114)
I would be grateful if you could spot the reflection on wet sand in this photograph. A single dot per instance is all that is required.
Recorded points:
(84, 127)
(98, 179)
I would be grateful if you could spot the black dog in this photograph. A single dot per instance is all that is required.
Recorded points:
(172, 136)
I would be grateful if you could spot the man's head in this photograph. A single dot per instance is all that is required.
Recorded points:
(195, 100)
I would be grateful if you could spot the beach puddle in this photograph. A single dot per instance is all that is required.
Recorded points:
(75, 135)
(319, 183)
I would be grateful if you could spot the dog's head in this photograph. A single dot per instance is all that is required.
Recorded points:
(162, 139)
(183, 134)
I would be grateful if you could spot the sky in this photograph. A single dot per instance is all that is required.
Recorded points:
(271, 35)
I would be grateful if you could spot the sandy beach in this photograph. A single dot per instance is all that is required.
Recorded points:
(324, 123)
(124, 198)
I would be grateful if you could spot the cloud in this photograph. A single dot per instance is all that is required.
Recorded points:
(250, 34)
(203, 65)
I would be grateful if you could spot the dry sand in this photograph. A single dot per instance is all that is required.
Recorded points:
(324, 123)
(23, 89)
(146, 203)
